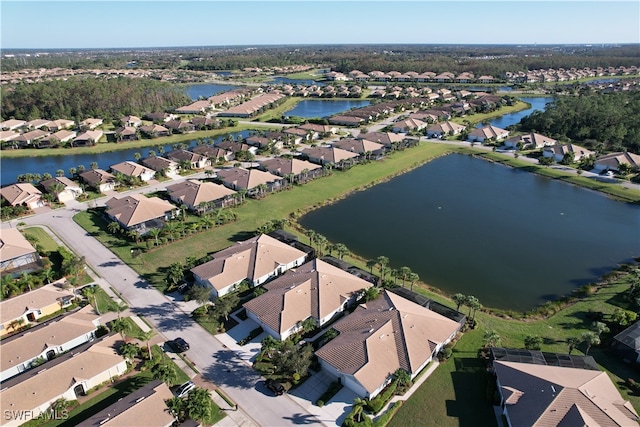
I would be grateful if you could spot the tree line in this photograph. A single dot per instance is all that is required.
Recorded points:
(80, 98)
(601, 122)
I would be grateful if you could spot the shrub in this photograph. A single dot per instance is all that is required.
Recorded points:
(320, 403)
(380, 400)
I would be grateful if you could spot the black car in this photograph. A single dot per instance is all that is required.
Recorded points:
(180, 345)
(274, 386)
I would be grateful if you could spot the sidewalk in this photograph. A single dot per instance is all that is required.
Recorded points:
(234, 415)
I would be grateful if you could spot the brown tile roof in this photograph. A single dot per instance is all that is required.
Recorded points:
(97, 176)
(184, 155)
(328, 154)
(250, 259)
(17, 194)
(283, 166)
(384, 138)
(532, 138)
(614, 160)
(209, 151)
(544, 395)
(129, 168)
(66, 182)
(193, 192)
(136, 209)
(383, 335)
(246, 178)
(158, 163)
(15, 307)
(488, 132)
(13, 244)
(359, 146)
(315, 289)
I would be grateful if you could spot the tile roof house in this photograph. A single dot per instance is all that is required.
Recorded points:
(614, 160)
(408, 125)
(201, 196)
(534, 394)
(361, 147)
(47, 340)
(487, 132)
(33, 305)
(31, 138)
(60, 124)
(144, 407)
(440, 130)
(12, 124)
(99, 179)
(63, 188)
(330, 155)
(257, 260)
(131, 121)
(343, 120)
(196, 161)
(68, 376)
(91, 123)
(316, 290)
(126, 133)
(250, 180)
(559, 151)
(301, 170)
(155, 130)
(17, 255)
(213, 153)
(22, 194)
(90, 137)
(197, 107)
(382, 336)
(8, 135)
(529, 140)
(60, 137)
(387, 139)
(159, 164)
(134, 170)
(180, 126)
(139, 213)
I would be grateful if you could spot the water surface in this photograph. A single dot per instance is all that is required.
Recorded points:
(309, 108)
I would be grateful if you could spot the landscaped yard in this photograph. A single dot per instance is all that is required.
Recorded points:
(43, 238)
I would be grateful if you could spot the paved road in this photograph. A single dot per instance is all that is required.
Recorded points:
(216, 363)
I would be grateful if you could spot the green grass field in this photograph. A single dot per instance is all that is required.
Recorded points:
(43, 238)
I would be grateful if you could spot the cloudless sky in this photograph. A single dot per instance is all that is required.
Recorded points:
(154, 23)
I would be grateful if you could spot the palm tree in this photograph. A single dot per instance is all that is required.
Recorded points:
(57, 188)
(413, 278)
(341, 250)
(311, 235)
(146, 337)
(90, 292)
(491, 337)
(370, 264)
(113, 227)
(60, 173)
(382, 262)
(46, 176)
(396, 274)
(572, 342)
(600, 328)
(459, 299)
(94, 165)
(137, 156)
(322, 243)
(404, 273)
(154, 233)
(590, 339)
(474, 305)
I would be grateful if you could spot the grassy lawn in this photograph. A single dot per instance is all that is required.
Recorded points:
(105, 302)
(276, 113)
(43, 238)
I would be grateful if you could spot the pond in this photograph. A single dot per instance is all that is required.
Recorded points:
(206, 90)
(511, 238)
(12, 167)
(309, 108)
(538, 103)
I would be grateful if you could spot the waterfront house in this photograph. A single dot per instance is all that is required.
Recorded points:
(31, 306)
(60, 137)
(205, 123)
(215, 154)
(131, 121)
(197, 107)
(408, 125)
(548, 389)
(529, 140)
(201, 197)
(62, 188)
(8, 135)
(337, 157)
(160, 117)
(300, 170)
(126, 133)
(180, 126)
(46, 341)
(613, 161)
(256, 260)
(235, 147)
(31, 138)
(99, 179)
(343, 120)
(363, 147)
(441, 130)
(315, 290)
(388, 139)
(133, 170)
(90, 137)
(162, 165)
(486, 133)
(189, 159)
(382, 336)
(22, 194)
(254, 181)
(12, 124)
(68, 376)
(139, 213)
(561, 151)
(91, 123)
(17, 255)
(155, 131)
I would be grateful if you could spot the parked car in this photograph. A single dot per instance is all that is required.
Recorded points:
(180, 345)
(184, 389)
(274, 386)
(183, 288)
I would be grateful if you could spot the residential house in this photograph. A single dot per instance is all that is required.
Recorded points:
(8, 135)
(486, 133)
(315, 290)
(486, 79)
(297, 135)
(262, 142)
(298, 170)
(408, 125)
(548, 389)
(133, 170)
(562, 151)
(382, 336)
(216, 154)
(256, 260)
(363, 147)
(90, 137)
(197, 107)
(188, 158)
(91, 123)
(60, 124)
(440, 130)
(46, 341)
(99, 179)
(529, 140)
(343, 120)
(69, 376)
(139, 213)
(613, 161)
(155, 131)
(201, 196)
(319, 131)
(254, 181)
(131, 121)
(63, 188)
(22, 194)
(424, 116)
(53, 140)
(37, 124)
(388, 139)
(126, 133)
(160, 117)
(331, 156)
(205, 123)
(12, 124)
(31, 138)
(17, 255)
(627, 343)
(31, 306)
(162, 165)
(143, 407)
(235, 147)
(180, 126)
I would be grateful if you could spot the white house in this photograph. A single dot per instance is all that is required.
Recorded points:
(63, 188)
(559, 151)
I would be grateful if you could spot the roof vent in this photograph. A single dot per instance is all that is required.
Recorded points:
(370, 330)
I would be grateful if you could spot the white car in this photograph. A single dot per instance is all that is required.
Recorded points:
(184, 389)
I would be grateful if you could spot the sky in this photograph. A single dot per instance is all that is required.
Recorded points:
(27, 24)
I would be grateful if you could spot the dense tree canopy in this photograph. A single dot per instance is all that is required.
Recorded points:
(80, 98)
(602, 122)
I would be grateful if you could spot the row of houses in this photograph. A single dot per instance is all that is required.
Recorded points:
(562, 74)
(409, 76)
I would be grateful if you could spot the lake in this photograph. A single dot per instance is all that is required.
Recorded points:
(206, 90)
(10, 168)
(511, 238)
(321, 108)
(537, 103)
